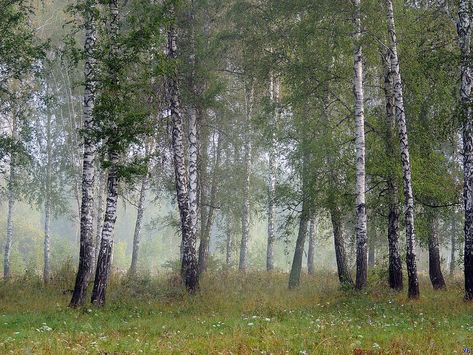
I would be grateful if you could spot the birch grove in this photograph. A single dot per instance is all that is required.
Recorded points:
(285, 140)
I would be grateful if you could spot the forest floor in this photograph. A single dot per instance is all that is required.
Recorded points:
(235, 313)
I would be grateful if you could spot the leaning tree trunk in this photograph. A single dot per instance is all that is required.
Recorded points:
(296, 269)
(435, 270)
(88, 170)
(360, 190)
(104, 261)
(47, 204)
(138, 224)
(464, 38)
(340, 253)
(11, 205)
(311, 250)
(189, 259)
(413, 282)
(395, 264)
(245, 221)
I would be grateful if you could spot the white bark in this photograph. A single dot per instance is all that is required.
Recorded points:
(193, 153)
(11, 205)
(138, 224)
(274, 97)
(104, 262)
(99, 215)
(189, 258)
(311, 249)
(47, 203)
(464, 41)
(88, 167)
(245, 223)
(360, 189)
(413, 290)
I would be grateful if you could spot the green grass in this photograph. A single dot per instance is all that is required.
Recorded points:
(253, 313)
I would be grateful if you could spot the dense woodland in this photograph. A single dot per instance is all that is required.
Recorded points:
(287, 136)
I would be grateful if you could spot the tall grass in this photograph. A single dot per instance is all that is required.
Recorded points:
(233, 313)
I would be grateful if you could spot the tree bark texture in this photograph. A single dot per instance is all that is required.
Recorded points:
(413, 282)
(395, 265)
(360, 189)
(88, 169)
(189, 258)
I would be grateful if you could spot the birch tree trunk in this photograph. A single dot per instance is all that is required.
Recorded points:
(104, 261)
(453, 249)
(193, 152)
(339, 242)
(296, 268)
(360, 190)
(189, 259)
(413, 282)
(228, 244)
(11, 205)
(88, 169)
(273, 95)
(371, 253)
(311, 250)
(395, 264)
(209, 216)
(245, 222)
(138, 224)
(464, 38)
(99, 216)
(435, 270)
(47, 203)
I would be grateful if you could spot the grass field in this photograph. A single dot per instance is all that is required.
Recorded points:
(234, 313)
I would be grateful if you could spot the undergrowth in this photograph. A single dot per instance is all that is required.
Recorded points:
(233, 313)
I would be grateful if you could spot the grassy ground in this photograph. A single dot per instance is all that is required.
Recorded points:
(235, 313)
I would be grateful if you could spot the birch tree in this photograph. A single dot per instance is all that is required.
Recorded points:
(395, 265)
(138, 224)
(11, 201)
(274, 98)
(104, 260)
(189, 259)
(311, 249)
(360, 191)
(88, 159)
(245, 221)
(413, 282)
(464, 41)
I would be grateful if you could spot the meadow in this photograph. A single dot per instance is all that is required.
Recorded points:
(234, 313)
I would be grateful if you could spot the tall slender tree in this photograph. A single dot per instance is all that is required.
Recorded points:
(413, 282)
(189, 264)
(88, 158)
(360, 191)
(395, 264)
(104, 260)
(464, 41)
